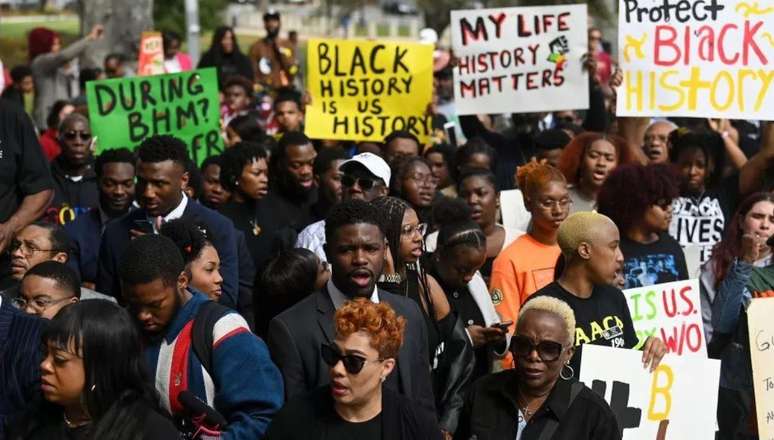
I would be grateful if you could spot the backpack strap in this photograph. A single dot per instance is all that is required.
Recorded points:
(552, 424)
(203, 327)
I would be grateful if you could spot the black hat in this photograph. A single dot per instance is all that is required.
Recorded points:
(271, 14)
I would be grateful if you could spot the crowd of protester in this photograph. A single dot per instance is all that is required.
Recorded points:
(296, 288)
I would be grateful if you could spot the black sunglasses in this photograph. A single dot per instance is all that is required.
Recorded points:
(549, 351)
(364, 183)
(332, 355)
(72, 134)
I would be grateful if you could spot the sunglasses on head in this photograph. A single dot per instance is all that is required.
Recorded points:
(522, 346)
(72, 134)
(363, 182)
(332, 355)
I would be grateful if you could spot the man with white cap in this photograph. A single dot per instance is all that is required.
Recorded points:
(366, 177)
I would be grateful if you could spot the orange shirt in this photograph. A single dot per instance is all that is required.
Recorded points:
(520, 270)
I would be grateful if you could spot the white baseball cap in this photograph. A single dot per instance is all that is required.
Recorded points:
(373, 163)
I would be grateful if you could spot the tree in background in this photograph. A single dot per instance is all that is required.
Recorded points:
(169, 15)
(124, 23)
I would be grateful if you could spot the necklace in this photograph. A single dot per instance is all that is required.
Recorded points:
(73, 425)
(528, 413)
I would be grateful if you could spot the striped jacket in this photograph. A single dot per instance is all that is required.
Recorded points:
(244, 384)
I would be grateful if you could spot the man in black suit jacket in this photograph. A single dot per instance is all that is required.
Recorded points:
(161, 177)
(115, 181)
(355, 248)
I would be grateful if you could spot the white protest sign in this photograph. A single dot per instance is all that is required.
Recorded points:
(761, 328)
(678, 401)
(699, 58)
(520, 59)
(670, 311)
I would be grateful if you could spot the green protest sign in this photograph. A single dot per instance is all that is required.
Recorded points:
(124, 111)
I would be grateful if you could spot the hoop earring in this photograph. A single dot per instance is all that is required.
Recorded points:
(571, 374)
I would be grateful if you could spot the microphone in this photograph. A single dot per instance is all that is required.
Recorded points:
(770, 241)
(198, 408)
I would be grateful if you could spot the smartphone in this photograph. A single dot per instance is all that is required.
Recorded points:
(502, 325)
(144, 226)
(451, 133)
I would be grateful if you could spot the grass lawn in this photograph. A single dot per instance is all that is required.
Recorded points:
(13, 37)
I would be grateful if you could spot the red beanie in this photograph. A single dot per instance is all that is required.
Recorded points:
(39, 41)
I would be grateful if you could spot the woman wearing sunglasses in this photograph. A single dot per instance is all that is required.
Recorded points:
(451, 354)
(521, 403)
(589, 265)
(355, 405)
(638, 199)
(75, 182)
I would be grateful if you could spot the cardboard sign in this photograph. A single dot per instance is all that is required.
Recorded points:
(700, 59)
(151, 60)
(124, 111)
(670, 311)
(678, 401)
(761, 328)
(520, 59)
(364, 90)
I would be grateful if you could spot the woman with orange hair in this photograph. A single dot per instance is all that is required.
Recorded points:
(355, 404)
(587, 161)
(527, 264)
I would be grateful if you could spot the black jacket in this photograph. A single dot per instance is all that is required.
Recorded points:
(402, 418)
(295, 337)
(491, 413)
(72, 198)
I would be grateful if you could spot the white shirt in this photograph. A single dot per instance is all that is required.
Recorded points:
(339, 298)
(313, 238)
(172, 65)
(173, 214)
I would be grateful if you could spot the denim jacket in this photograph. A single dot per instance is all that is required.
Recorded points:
(728, 312)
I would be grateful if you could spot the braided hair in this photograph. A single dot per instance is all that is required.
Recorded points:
(392, 210)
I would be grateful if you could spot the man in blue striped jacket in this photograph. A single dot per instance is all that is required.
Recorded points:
(243, 384)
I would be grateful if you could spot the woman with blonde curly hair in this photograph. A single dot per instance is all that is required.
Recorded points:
(527, 264)
(355, 404)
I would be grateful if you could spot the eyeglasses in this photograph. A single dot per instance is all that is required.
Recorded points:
(72, 134)
(548, 203)
(27, 248)
(40, 303)
(663, 204)
(352, 363)
(363, 182)
(420, 228)
(549, 351)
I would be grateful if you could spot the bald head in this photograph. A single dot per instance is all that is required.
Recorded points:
(656, 140)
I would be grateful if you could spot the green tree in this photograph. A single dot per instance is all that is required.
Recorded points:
(170, 15)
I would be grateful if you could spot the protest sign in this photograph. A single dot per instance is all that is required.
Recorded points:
(520, 59)
(151, 60)
(364, 90)
(670, 311)
(761, 330)
(704, 58)
(677, 401)
(124, 111)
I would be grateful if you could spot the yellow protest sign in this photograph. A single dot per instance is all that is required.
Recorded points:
(364, 90)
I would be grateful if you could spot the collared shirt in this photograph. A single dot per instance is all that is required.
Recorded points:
(339, 298)
(173, 214)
